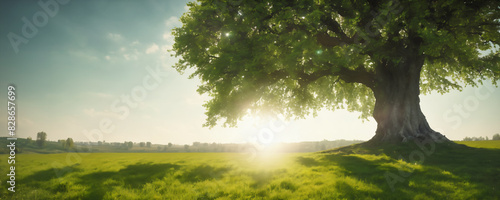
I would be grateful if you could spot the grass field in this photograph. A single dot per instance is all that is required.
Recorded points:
(492, 144)
(447, 172)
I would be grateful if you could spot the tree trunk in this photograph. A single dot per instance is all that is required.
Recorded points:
(397, 108)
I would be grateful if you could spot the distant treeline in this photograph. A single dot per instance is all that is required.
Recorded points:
(30, 146)
(481, 138)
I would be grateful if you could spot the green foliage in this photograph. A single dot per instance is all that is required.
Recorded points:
(496, 137)
(297, 57)
(69, 143)
(128, 145)
(451, 172)
(62, 143)
(41, 137)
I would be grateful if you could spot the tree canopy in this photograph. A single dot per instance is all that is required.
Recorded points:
(70, 143)
(297, 57)
(41, 137)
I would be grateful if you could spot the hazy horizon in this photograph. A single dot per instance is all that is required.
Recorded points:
(106, 62)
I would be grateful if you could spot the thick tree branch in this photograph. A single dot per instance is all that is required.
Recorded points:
(305, 79)
(359, 75)
(334, 26)
(327, 41)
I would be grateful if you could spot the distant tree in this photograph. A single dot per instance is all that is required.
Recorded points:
(321, 146)
(62, 142)
(41, 137)
(481, 138)
(99, 143)
(69, 143)
(142, 144)
(186, 147)
(496, 137)
(148, 144)
(214, 146)
(298, 57)
(128, 145)
(170, 145)
(29, 140)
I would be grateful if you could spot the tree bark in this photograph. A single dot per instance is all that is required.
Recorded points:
(397, 107)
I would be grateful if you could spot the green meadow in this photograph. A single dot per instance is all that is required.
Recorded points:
(449, 171)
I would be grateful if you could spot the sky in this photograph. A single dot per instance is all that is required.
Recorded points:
(101, 70)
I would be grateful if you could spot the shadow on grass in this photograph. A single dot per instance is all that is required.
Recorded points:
(202, 173)
(37, 179)
(261, 179)
(133, 176)
(477, 166)
(308, 162)
(357, 166)
(449, 171)
(137, 175)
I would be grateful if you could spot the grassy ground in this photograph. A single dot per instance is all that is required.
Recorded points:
(492, 144)
(409, 172)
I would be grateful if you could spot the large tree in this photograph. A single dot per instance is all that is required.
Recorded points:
(297, 56)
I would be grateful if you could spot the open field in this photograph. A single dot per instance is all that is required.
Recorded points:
(448, 172)
(492, 144)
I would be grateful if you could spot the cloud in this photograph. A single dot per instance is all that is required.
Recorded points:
(166, 48)
(134, 43)
(172, 21)
(93, 113)
(168, 36)
(130, 57)
(130, 54)
(89, 112)
(98, 94)
(114, 36)
(87, 55)
(152, 49)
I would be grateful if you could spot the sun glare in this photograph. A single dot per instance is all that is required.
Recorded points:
(262, 135)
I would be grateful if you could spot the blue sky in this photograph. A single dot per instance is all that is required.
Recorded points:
(82, 61)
